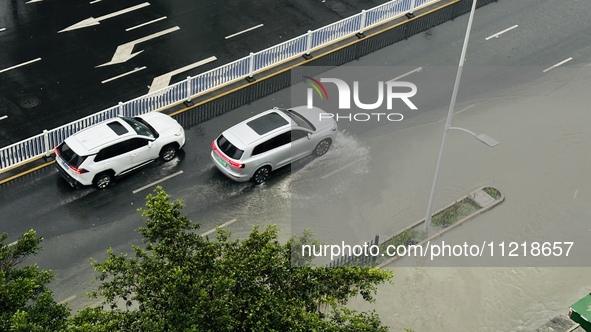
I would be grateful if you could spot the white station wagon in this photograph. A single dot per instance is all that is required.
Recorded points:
(252, 149)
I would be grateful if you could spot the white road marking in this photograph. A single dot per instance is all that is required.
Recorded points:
(465, 109)
(95, 1)
(95, 21)
(19, 65)
(340, 169)
(124, 74)
(575, 195)
(2, 29)
(243, 31)
(67, 300)
(12, 243)
(123, 52)
(156, 182)
(163, 81)
(143, 24)
(31, 1)
(221, 226)
(460, 111)
(3, 117)
(556, 65)
(404, 75)
(496, 35)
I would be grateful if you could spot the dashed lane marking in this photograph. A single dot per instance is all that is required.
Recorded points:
(144, 24)
(496, 35)
(156, 182)
(220, 226)
(556, 65)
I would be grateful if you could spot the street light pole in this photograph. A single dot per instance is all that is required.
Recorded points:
(450, 114)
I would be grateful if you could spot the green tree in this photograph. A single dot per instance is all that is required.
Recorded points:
(181, 281)
(26, 304)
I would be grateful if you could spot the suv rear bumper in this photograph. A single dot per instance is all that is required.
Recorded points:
(234, 176)
(71, 181)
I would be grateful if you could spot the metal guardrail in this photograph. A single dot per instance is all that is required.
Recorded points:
(42, 144)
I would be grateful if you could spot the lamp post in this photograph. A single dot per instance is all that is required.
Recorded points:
(481, 137)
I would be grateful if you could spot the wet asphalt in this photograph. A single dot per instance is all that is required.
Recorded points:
(78, 224)
(56, 79)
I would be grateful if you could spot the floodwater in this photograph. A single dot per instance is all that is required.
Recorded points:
(378, 182)
(541, 166)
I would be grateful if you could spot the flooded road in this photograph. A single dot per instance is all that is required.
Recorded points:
(542, 167)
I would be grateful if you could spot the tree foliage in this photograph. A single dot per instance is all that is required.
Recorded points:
(26, 304)
(182, 281)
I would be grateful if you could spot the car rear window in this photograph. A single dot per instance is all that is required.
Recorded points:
(69, 156)
(228, 148)
(266, 123)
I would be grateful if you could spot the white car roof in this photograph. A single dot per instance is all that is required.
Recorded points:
(90, 140)
(245, 132)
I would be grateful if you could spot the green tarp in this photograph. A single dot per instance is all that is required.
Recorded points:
(580, 312)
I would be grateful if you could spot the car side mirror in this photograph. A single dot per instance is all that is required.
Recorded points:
(150, 143)
(309, 136)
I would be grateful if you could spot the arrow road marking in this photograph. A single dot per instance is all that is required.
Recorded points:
(94, 21)
(124, 52)
(163, 81)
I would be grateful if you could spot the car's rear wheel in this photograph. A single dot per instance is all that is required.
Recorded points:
(261, 175)
(322, 147)
(103, 180)
(168, 152)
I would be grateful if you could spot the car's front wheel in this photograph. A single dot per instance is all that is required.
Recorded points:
(322, 147)
(168, 152)
(103, 180)
(261, 175)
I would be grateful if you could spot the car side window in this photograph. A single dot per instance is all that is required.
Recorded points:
(136, 143)
(108, 152)
(120, 148)
(297, 134)
(272, 143)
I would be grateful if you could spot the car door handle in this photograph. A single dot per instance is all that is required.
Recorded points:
(134, 155)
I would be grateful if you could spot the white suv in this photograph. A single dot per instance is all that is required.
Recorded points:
(272, 139)
(98, 154)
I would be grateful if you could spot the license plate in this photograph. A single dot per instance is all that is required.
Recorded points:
(66, 166)
(220, 160)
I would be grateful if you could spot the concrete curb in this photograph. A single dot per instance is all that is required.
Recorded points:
(447, 229)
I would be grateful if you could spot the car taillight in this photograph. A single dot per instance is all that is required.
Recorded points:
(235, 164)
(56, 151)
(221, 154)
(78, 170)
